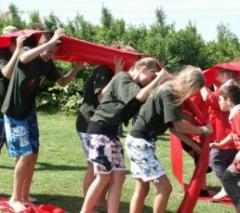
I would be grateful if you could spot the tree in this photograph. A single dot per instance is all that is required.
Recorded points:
(226, 48)
(106, 18)
(35, 21)
(186, 47)
(52, 22)
(12, 17)
(160, 16)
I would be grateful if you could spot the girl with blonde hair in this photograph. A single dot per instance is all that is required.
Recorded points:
(161, 111)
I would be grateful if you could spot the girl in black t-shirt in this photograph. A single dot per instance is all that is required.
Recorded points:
(161, 111)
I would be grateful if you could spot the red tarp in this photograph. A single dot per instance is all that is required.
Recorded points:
(72, 49)
(4, 206)
(210, 74)
(198, 108)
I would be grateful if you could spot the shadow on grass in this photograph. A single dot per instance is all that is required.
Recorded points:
(72, 204)
(7, 167)
(215, 189)
(47, 166)
(52, 167)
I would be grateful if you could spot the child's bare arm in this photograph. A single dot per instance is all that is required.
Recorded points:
(187, 140)
(222, 143)
(7, 70)
(35, 52)
(162, 76)
(65, 79)
(119, 64)
(184, 127)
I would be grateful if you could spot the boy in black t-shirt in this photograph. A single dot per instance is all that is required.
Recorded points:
(8, 58)
(20, 111)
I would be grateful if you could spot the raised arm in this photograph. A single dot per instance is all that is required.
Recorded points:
(162, 76)
(35, 52)
(7, 70)
(119, 64)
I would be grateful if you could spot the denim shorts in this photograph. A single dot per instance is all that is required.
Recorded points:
(22, 135)
(2, 133)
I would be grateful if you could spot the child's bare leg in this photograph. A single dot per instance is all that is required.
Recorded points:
(102, 202)
(28, 179)
(231, 179)
(94, 192)
(238, 208)
(139, 196)
(114, 191)
(164, 190)
(88, 179)
(21, 169)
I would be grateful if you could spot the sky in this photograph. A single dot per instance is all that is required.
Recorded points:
(205, 14)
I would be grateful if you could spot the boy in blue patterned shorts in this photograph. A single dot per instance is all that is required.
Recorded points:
(8, 58)
(20, 110)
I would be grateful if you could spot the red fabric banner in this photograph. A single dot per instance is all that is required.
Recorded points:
(46, 208)
(197, 107)
(72, 49)
(210, 74)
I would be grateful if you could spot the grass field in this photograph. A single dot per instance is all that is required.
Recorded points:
(61, 166)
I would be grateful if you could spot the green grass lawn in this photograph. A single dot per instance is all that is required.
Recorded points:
(61, 167)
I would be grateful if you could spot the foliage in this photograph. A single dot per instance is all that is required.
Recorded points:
(174, 48)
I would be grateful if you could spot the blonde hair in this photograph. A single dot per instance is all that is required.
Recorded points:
(186, 83)
(9, 29)
(149, 62)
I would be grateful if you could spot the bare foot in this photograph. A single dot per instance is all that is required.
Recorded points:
(220, 194)
(28, 203)
(30, 199)
(16, 205)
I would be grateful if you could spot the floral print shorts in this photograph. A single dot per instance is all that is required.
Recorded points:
(144, 162)
(106, 154)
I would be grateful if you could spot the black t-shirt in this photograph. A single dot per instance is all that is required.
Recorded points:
(5, 56)
(157, 114)
(119, 99)
(24, 84)
(99, 79)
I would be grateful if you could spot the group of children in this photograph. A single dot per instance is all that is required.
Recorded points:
(147, 90)
(126, 93)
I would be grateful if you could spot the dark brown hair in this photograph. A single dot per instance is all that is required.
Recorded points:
(232, 92)
(46, 36)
